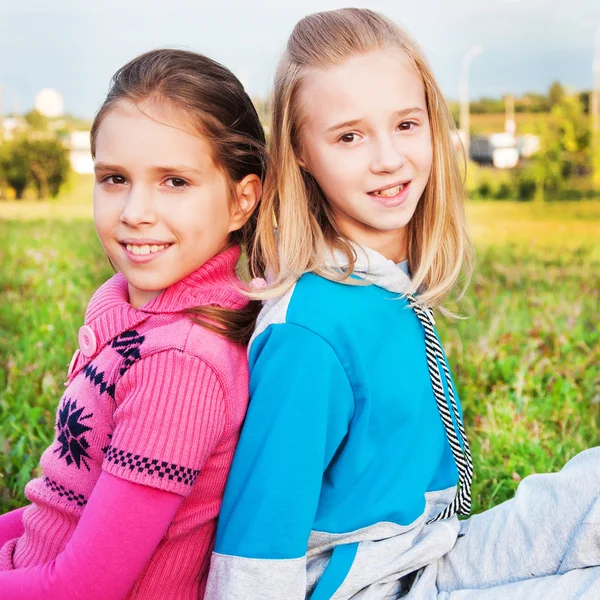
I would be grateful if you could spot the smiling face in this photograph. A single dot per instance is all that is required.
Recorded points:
(161, 205)
(365, 138)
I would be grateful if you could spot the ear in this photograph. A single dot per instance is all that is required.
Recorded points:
(247, 195)
(301, 163)
(301, 160)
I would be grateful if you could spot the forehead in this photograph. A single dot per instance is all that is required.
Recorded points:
(136, 132)
(365, 86)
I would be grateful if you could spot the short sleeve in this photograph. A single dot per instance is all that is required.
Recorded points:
(170, 415)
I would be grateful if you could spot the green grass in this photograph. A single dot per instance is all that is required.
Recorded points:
(48, 271)
(525, 361)
(495, 122)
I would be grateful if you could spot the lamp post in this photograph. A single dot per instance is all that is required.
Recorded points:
(595, 109)
(1, 115)
(595, 99)
(464, 94)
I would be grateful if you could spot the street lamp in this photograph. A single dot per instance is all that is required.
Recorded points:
(595, 99)
(464, 94)
(1, 114)
(595, 111)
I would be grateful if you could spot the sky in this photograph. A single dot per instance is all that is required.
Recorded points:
(74, 46)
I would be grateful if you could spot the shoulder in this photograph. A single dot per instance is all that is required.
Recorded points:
(322, 306)
(185, 338)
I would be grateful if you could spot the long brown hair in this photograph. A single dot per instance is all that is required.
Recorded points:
(214, 104)
(438, 243)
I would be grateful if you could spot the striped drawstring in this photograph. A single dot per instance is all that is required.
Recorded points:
(460, 447)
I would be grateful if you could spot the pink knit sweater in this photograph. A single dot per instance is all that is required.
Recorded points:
(159, 401)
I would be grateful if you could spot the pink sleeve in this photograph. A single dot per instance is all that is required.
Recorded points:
(11, 525)
(117, 534)
(170, 415)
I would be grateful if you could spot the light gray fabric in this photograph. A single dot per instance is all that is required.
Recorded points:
(542, 544)
(254, 578)
(403, 266)
(387, 551)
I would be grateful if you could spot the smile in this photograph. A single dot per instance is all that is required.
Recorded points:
(145, 248)
(390, 191)
(391, 196)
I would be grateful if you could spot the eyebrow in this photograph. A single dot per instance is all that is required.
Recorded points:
(400, 113)
(104, 167)
(107, 167)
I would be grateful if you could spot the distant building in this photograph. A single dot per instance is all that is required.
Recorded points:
(496, 149)
(50, 103)
(528, 145)
(80, 152)
(10, 125)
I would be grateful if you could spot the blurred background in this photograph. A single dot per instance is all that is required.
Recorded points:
(522, 79)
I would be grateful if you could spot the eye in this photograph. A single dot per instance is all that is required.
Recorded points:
(114, 180)
(176, 182)
(348, 138)
(407, 125)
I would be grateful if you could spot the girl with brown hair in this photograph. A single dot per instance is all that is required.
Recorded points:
(131, 486)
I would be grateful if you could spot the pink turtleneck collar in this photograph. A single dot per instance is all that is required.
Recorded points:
(215, 283)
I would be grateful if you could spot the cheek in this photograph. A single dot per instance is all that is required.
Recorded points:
(422, 156)
(101, 212)
(335, 170)
(107, 213)
(206, 220)
(427, 151)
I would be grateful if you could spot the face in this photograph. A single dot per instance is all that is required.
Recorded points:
(365, 138)
(161, 205)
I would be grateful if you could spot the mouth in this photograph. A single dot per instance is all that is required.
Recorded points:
(144, 248)
(390, 191)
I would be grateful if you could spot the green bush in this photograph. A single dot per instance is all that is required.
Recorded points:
(42, 164)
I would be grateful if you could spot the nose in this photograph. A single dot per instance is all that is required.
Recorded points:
(387, 155)
(139, 207)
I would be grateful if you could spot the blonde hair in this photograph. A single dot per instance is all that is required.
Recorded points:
(438, 243)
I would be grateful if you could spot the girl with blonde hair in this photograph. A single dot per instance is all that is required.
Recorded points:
(353, 462)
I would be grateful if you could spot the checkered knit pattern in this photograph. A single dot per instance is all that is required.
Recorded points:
(160, 403)
(151, 466)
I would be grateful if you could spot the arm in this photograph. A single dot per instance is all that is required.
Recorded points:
(120, 528)
(170, 410)
(301, 404)
(11, 525)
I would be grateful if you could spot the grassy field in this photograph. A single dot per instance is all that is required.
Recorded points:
(525, 359)
(494, 122)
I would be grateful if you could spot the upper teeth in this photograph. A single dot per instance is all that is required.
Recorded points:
(393, 191)
(145, 249)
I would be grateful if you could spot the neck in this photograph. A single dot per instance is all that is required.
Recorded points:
(391, 244)
(137, 298)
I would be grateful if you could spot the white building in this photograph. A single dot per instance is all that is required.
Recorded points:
(10, 125)
(50, 103)
(528, 145)
(80, 152)
(496, 149)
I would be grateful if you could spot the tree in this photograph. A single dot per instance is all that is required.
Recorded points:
(41, 163)
(556, 94)
(565, 150)
(50, 166)
(36, 120)
(14, 166)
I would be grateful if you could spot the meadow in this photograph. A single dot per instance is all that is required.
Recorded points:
(524, 355)
(495, 122)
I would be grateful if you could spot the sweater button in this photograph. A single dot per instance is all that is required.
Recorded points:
(73, 362)
(87, 341)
